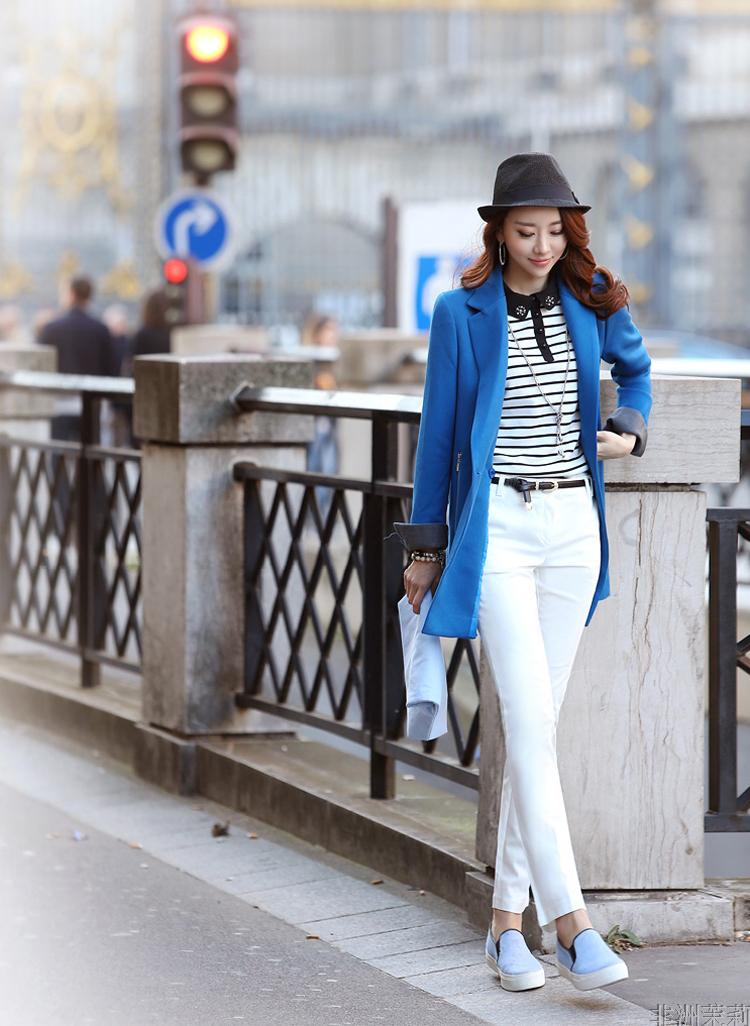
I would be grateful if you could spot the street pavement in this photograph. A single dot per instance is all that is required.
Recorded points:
(120, 908)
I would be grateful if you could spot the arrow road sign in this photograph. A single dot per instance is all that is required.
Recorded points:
(195, 223)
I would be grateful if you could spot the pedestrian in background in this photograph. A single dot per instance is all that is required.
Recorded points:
(118, 423)
(153, 336)
(115, 316)
(155, 333)
(323, 451)
(84, 346)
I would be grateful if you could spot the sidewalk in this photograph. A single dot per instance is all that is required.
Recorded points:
(354, 921)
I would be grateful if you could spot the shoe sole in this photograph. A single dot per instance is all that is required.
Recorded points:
(517, 981)
(600, 978)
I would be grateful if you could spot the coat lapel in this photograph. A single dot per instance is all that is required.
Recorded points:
(488, 330)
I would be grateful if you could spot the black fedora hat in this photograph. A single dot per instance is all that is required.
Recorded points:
(530, 179)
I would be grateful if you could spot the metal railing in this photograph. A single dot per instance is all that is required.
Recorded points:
(728, 532)
(727, 811)
(70, 539)
(322, 641)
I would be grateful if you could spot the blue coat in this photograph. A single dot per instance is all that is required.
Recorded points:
(461, 409)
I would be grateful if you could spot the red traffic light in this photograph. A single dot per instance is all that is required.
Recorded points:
(175, 271)
(207, 42)
(207, 92)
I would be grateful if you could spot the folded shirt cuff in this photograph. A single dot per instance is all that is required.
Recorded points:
(626, 419)
(418, 536)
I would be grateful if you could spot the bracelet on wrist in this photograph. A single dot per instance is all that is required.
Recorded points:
(420, 556)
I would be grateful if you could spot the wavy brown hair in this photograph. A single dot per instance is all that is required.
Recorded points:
(576, 268)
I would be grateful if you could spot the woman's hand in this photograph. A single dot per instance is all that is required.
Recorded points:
(418, 577)
(610, 445)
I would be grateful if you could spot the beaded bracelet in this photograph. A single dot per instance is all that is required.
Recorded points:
(428, 557)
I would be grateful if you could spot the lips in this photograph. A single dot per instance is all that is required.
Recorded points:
(540, 263)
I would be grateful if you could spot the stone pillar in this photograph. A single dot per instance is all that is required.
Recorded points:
(26, 414)
(192, 579)
(631, 733)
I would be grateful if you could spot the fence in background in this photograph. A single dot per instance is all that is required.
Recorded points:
(70, 550)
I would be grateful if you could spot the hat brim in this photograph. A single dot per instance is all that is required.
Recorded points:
(490, 210)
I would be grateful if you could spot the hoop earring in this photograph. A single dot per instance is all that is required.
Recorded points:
(503, 256)
(564, 253)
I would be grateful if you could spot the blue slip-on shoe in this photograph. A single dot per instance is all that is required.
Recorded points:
(512, 961)
(589, 961)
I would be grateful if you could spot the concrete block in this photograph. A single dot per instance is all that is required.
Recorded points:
(696, 449)
(186, 400)
(165, 760)
(21, 404)
(193, 586)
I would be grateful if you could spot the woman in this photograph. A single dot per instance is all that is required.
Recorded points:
(155, 332)
(511, 441)
(152, 337)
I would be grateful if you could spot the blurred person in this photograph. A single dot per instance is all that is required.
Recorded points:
(320, 330)
(117, 319)
(115, 316)
(153, 336)
(84, 346)
(323, 451)
(83, 343)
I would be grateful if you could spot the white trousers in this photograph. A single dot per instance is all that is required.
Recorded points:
(538, 581)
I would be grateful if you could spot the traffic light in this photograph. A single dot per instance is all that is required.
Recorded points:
(209, 135)
(183, 290)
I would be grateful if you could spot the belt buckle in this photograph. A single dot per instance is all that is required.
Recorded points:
(553, 480)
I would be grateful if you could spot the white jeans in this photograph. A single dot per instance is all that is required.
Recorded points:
(540, 572)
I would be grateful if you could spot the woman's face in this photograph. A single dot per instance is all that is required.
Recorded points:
(533, 238)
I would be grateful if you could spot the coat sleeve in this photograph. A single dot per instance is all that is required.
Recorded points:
(631, 370)
(428, 526)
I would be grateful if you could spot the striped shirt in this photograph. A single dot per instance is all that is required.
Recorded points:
(526, 443)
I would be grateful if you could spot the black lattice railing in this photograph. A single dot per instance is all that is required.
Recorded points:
(70, 548)
(40, 559)
(322, 639)
(728, 528)
(116, 551)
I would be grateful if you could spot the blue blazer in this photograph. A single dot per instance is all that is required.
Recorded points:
(461, 409)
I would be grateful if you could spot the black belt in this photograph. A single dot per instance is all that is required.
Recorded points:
(525, 484)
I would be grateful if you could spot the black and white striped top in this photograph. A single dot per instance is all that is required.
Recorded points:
(526, 443)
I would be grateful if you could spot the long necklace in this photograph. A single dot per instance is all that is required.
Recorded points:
(558, 412)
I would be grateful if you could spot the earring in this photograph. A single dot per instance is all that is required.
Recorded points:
(564, 253)
(503, 255)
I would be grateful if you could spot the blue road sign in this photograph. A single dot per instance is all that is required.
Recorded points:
(195, 223)
(434, 274)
